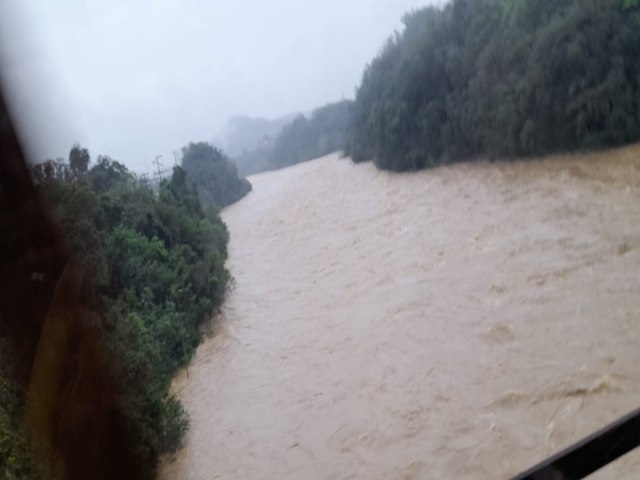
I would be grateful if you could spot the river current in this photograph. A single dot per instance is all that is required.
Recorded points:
(463, 322)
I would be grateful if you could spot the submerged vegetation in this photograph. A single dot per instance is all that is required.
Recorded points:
(500, 78)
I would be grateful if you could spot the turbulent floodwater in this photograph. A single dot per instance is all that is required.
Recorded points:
(463, 322)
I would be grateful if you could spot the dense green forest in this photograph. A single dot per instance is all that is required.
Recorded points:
(500, 78)
(213, 175)
(153, 264)
(302, 139)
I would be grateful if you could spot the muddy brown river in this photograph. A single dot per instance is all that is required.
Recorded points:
(463, 322)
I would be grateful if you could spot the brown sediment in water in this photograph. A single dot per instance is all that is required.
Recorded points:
(461, 322)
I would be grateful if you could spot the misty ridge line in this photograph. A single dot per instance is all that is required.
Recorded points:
(138, 80)
(496, 79)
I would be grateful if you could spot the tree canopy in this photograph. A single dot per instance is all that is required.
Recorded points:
(153, 269)
(213, 175)
(500, 78)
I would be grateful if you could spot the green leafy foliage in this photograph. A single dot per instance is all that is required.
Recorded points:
(500, 78)
(15, 459)
(213, 174)
(156, 263)
(79, 159)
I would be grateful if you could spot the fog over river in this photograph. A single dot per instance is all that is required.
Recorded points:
(463, 322)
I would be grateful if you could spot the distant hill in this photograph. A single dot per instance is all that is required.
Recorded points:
(243, 134)
(303, 137)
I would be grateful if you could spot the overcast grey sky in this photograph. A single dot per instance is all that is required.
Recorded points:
(137, 78)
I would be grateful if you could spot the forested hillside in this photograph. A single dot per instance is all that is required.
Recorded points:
(151, 266)
(500, 78)
(302, 139)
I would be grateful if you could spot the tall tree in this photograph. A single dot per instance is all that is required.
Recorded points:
(79, 159)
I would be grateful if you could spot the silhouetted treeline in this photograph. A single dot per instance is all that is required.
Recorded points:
(302, 139)
(500, 78)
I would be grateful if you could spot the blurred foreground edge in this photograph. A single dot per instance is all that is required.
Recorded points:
(72, 409)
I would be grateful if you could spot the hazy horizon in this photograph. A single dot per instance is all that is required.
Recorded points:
(133, 81)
